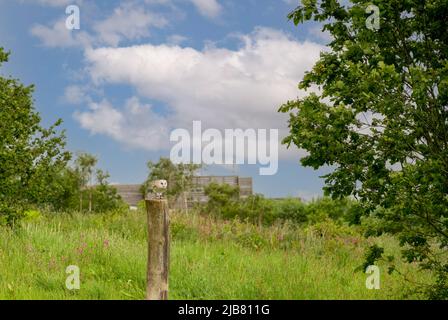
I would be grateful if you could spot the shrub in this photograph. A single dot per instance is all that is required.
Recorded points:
(257, 209)
(30, 215)
(224, 201)
(106, 198)
(335, 209)
(290, 209)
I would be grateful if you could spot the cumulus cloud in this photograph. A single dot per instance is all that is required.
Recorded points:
(129, 22)
(54, 3)
(208, 8)
(57, 35)
(75, 94)
(134, 125)
(176, 39)
(223, 88)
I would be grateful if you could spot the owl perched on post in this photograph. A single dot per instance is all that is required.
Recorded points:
(157, 188)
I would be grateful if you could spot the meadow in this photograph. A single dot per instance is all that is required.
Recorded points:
(211, 258)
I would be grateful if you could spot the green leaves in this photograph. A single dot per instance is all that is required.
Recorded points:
(28, 152)
(373, 254)
(179, 176)
(381, 116)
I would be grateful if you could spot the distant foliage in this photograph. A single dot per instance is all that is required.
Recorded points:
(224, 201)
(85, 191)
(84, 167)
(290, 209)
(179, 176)
(105, 197)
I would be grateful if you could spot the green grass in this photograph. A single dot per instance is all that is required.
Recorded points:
(210, 259)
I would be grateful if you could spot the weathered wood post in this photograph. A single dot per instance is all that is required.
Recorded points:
(158, 249)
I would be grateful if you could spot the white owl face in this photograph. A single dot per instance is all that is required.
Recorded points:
(160, 184)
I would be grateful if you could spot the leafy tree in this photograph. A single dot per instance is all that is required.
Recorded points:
(178, 176)
(292, 209)
(85, 165)
(64, 192)
(102, 197)
(219, 195)
(105, 197)
(380, 118)
(29, 153)
(223, 200)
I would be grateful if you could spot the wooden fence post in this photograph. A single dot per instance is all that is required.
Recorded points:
(158, 249)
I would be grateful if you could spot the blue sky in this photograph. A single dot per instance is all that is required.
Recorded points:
(137, 69)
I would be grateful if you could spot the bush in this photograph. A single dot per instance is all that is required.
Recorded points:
(106, 198)
(224, 201)
(257, 209)
(290, 209)
(31, 215)
(269, 211)
(9, 214)
(335, 209)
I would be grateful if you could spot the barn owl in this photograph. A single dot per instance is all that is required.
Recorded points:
(157, 188)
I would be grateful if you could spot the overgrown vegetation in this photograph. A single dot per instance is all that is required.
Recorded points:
(380, 120)
(224, 201)
(211, 258)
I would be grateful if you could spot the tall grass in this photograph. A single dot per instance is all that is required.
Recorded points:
(210, 259)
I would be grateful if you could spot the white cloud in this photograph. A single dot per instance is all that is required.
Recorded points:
(127, 22)
(176, 39)
(135, 125)
(75, 94)
(54, 3)
(223, 88)
(208, 8)
(58, 35)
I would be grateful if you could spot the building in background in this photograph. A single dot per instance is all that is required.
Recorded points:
(131, 193)
(197, 193)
